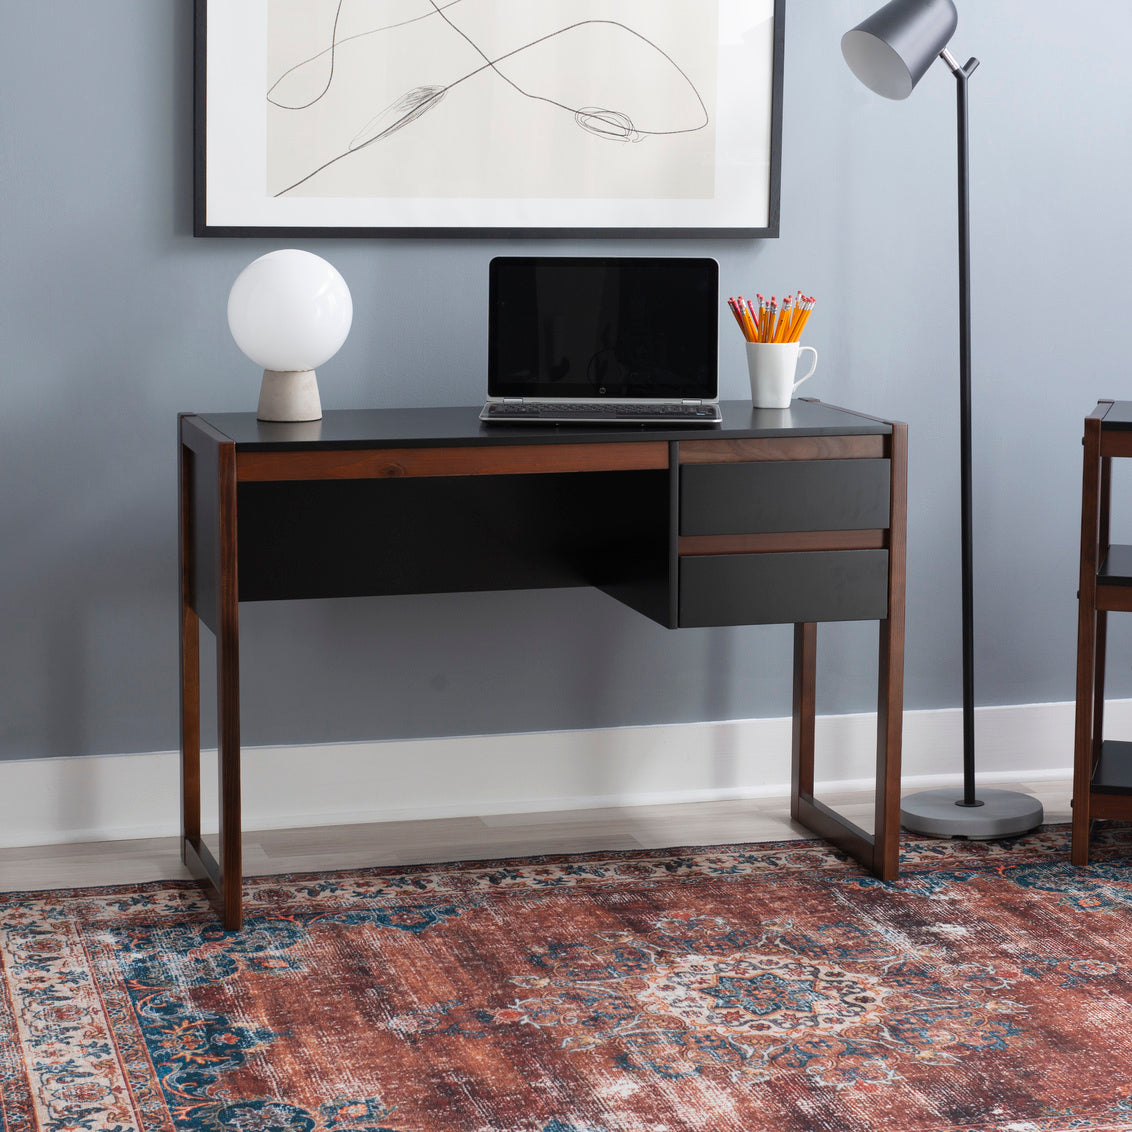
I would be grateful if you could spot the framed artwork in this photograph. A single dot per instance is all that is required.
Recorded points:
(488, 117)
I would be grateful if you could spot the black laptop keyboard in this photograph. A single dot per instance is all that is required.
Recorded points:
(600, 411)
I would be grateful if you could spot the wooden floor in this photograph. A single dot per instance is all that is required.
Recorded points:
(449, 839)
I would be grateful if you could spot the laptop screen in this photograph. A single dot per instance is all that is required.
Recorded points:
(615, 327)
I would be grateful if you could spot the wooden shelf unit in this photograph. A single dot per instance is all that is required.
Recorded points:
(1102, 769)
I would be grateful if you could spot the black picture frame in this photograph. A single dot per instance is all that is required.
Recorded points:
(234, 120)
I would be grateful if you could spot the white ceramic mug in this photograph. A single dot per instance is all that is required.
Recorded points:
(772, 366)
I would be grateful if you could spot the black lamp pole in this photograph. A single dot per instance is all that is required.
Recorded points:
(890, 52)
(962, 74)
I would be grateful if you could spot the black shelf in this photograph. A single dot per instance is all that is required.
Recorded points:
(1113, 773)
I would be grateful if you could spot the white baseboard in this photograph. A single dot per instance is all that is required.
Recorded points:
(110, 797)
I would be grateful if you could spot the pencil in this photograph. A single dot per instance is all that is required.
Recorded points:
(748, 319)
(784, 319)
(796, 318)
(809, 306)
(738, 318)
(752, 320)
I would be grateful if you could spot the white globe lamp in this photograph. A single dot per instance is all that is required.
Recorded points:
(289, 311)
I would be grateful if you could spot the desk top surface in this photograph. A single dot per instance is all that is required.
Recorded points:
(380, 428)
(1118, 415)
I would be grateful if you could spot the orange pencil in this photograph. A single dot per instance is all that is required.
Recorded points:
(740, 313)
(809, 306)
(784, 319)
(739, 318)
(748, 319)
(753, 317)
(799, 300)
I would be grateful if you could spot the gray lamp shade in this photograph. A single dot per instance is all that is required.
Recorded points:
(890, 51)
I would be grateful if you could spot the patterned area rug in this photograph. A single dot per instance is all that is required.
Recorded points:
(730, 989)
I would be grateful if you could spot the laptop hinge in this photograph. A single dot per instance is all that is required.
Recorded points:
(691, 401)
(512, 400)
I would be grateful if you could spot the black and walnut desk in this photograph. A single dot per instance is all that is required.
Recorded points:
(1102, 768)
(793, 516)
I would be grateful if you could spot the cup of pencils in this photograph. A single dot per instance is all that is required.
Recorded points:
(772, 334)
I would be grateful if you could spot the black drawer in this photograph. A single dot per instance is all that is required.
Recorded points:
(771, 589)
(784, 495)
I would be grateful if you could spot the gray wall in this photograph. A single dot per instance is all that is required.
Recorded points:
(112, 320)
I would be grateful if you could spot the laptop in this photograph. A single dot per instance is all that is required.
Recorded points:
(603, 340)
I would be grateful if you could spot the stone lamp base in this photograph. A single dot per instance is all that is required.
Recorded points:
(289, 395)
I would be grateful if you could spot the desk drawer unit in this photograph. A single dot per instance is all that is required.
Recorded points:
(779, 541)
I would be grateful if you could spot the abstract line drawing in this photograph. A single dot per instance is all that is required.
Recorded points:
(527, 86)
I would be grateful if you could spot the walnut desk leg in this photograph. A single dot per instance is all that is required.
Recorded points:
(880, 850)
(890, 674)
(802, 734)
(209, 593)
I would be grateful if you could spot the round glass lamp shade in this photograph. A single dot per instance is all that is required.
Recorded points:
(289, 311)
(892, 49)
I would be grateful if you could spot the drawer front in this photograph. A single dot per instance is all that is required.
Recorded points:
(784, 495)
(771, 589)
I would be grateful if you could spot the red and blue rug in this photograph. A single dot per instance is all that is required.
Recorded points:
(730, 989)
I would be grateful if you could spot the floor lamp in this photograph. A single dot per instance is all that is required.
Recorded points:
(890, 52)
